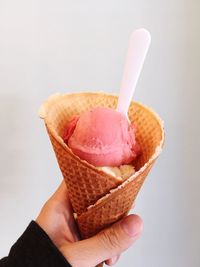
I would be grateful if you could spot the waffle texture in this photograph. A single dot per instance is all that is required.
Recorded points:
(99, 199)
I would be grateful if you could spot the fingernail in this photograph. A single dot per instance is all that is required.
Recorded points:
(133, 206)
(114, 259)
(132, 225)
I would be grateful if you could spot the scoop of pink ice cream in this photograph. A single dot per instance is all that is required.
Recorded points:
(102, 137)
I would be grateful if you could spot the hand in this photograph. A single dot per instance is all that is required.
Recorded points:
(56, 219)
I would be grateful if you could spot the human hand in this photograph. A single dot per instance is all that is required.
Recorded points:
(57, 220)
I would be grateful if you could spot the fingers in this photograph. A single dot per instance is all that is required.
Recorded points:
(60, 199)
(61, 190)
(61, 195)
(133, 206)
(106, 245)
(113, 260)
(114, 240)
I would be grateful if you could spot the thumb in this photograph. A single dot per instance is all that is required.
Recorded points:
(106, 244)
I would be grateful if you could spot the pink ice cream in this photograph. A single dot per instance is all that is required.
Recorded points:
(102, 137)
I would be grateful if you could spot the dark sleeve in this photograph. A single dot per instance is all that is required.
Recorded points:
(34, 249)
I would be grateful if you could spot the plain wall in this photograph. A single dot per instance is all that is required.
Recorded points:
(70, 46)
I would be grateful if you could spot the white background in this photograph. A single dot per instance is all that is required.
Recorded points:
(71, 46)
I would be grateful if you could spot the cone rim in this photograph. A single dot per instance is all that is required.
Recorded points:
(43, 114)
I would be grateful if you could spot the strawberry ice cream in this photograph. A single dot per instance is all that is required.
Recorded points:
(102, 137)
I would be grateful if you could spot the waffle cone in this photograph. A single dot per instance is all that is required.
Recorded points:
(99, 199)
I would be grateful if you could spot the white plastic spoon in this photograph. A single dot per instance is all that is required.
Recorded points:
(138, 47)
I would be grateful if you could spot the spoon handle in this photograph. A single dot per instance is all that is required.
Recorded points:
(138, 47)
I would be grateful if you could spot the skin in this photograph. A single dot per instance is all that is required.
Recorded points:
(57, 220)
